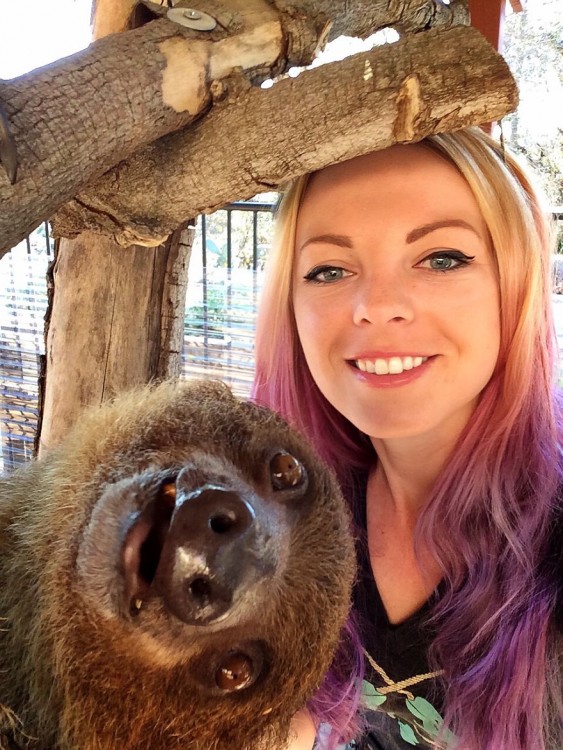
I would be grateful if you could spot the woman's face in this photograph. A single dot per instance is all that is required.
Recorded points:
(395, 292)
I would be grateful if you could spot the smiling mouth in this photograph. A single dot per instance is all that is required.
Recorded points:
(390, 366)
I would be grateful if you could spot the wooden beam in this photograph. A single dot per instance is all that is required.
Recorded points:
(488, 17)
(518, 5)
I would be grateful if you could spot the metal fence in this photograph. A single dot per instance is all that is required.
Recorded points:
(23, 302)
(224, 283)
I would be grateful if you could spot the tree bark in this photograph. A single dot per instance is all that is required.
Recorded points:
(406, 16)
(116, 322)
(73, 120)
(65, 125)
(257, 139)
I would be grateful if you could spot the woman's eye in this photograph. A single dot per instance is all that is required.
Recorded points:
(446, 260)
(326, 274)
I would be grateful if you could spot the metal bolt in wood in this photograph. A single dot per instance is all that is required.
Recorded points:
(192, 18)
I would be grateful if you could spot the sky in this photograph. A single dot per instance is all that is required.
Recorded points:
(36, 32)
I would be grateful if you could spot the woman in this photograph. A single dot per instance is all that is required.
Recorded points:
(406, 329)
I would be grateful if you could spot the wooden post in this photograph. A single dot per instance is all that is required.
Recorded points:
(116, 316)
(488, 17)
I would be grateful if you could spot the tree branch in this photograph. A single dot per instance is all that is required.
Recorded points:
(73, 120)
(364, 17)
(258, 139)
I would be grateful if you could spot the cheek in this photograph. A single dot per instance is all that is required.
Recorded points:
(311, 335)
(478, 321)
(319, 320)
(486, 321)
(309, 331)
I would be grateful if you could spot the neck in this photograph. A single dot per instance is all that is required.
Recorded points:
(407, 470)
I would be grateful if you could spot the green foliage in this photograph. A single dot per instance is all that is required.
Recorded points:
(242, 232)
(534, 52)
(215, 318)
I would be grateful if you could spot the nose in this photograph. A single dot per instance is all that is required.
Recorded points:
(210, 555)
(384, 299)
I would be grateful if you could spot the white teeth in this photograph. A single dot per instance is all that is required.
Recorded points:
(391, 366)
(395, 366)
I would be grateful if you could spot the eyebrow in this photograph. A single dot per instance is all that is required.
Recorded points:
(419, 232)
(342, 240)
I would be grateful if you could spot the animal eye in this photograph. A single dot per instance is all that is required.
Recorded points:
(235, 672)
(326, 274)
(286, 471)
(446, 260)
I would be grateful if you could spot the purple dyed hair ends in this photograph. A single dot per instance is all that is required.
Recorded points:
(492, 515)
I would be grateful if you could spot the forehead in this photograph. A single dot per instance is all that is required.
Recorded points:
(409, 180)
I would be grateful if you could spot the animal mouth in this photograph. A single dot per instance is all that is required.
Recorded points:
(143, 544)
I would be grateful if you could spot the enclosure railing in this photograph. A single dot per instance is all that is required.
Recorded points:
(224, 282)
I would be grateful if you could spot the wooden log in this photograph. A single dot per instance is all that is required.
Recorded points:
(258, 139)
(406, 16)
(114, 327)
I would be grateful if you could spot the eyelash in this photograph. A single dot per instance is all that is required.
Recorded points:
(314, 273)
(461, 259)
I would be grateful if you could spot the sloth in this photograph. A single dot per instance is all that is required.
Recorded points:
(175, 575)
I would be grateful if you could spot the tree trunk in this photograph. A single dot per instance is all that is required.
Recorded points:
(257, 139)
(116, 321)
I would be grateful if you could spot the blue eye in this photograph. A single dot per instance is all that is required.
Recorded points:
(326, 274)
(447, 260)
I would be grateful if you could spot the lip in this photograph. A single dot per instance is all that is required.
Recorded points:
(390, 381)
(380, 354)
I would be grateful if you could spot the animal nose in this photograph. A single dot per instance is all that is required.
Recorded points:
(205, 540)
(210, 555)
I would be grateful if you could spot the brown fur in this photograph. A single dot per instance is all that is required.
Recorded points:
(76, 673)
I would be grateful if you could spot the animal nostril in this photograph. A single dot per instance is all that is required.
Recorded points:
(223, 522)
(200, 590)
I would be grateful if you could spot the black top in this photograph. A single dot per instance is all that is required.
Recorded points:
(405, 696)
